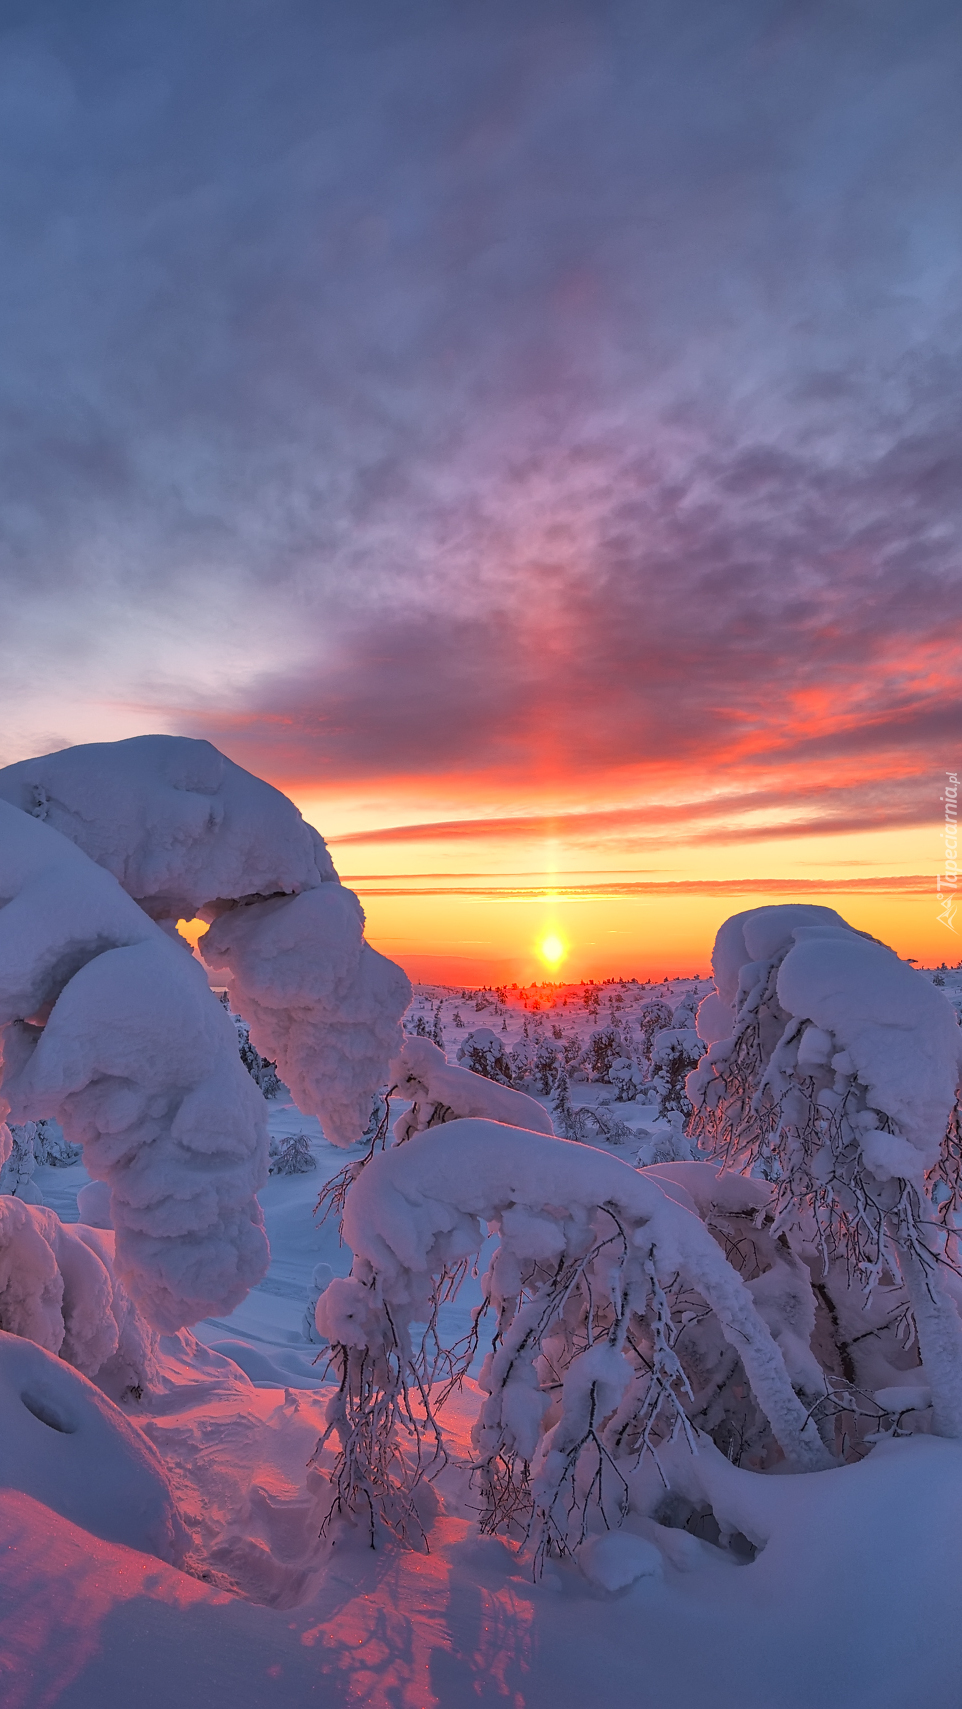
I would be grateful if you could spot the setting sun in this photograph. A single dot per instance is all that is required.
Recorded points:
(552, 950)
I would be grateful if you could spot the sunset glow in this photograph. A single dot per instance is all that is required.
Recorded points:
(192, 931)
(552, 950)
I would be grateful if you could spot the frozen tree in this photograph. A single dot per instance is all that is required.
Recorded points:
(604, 1047)
(674, 1054)
(262, 1072)
(627, 1077)
(596, 1272)
(16, 1175)
(653, 1016)
(562, 1114)
(834, 1069)
(545, 1066)
(109, 1025)
(292, 1156)
(437, 1030)
(50, 1148)
(483, 1053)
(125, 1045)
(187, 833)
(457, 1020)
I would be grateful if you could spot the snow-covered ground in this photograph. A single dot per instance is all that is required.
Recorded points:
(850, 1602)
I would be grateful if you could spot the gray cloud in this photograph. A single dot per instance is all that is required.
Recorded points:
(538, 389)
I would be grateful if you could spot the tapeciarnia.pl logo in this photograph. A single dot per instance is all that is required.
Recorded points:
(947, 880)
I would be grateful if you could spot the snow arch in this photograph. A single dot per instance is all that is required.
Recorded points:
(109, 1025)
(185, 832)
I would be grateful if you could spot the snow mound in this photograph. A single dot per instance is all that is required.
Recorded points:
(70, 1448)
(93, 1205)
(617, 1559)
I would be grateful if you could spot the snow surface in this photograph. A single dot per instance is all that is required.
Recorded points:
(850, 1601)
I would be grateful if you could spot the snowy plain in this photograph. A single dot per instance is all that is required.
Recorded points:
(850, 1600)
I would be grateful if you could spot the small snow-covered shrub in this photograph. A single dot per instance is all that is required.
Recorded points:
(50, 1148)
(674, 1053)
(292, 1156)
(482, 1052)
(599, 1273)
(654, 1015)
(604, 1047)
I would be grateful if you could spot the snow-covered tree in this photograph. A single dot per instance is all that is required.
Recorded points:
(562, 1114)
(440, 1092)
(51, 1149)
(598, 1271)
(674, 1053)
(123, 1042)
(187, 833)
(292, 1155)
(653, 1016)
(627, 1077)
(834, 1069)
(545, 1067)
(603, 1048)
(483, 1053)
(16, 1174)
(262, 1072)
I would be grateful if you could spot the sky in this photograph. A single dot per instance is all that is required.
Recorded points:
(528, 432)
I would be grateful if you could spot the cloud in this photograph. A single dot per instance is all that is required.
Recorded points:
(864, 886)
(558, 404)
